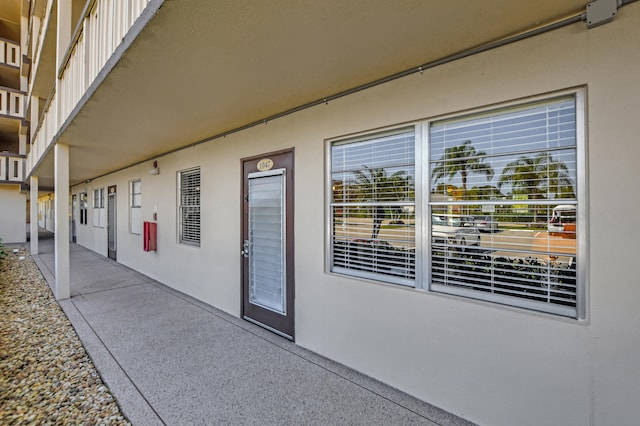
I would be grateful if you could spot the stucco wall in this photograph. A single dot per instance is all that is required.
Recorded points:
(13, 214)
(491, 364)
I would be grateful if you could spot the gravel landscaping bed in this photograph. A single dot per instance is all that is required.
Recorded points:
(46, 377)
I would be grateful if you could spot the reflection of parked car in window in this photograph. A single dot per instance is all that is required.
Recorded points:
(563, 221)
(486, 223)
(459, 231)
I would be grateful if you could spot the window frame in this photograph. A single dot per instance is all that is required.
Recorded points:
(361, 137)
(83, 205)
(179, 221)
(98, 207)
(133, 205)
(423, 263)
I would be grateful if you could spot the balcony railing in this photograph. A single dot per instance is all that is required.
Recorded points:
(44, 133)
(11, 102)
(12, 168)
(9, 53)
(104, 26)
(102, 31)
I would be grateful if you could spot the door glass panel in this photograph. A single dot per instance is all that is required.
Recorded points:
(112, 223)
(267, 240)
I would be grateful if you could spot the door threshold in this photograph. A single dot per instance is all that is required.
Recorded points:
(271, 329)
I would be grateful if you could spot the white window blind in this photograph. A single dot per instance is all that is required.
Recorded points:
(509, 170)
(189, 206)
(373, 207)
(267, 240)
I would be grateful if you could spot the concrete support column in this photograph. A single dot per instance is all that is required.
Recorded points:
(33, 208)
(63, 280)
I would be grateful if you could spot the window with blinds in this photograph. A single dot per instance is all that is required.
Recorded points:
(135, 201)
(189, 206)
(513, 173)
(98, 208)
(373, 207)
(502, 211)
(98, 198)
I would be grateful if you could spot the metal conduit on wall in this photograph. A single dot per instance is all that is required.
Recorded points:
(512, 38)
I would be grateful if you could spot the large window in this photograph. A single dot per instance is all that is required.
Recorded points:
(189, 206)
(98, 208)
(515, 171)
(373, 206)
(135, 205)
(502, 195)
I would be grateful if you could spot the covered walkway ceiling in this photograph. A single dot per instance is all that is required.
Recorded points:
(202, 67)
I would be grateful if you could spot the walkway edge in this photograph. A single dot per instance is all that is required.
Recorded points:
(132, 403)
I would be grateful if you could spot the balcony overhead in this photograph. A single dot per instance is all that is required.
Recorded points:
(201, 68)
(9, 64)
(10, 20)
(9, 131)
(44, 58)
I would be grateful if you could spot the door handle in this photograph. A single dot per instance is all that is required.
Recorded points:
(245, 249)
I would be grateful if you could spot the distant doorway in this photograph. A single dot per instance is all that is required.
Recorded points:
(111, 222)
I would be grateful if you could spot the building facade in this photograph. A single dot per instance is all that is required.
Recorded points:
(443, 209)
(13, 127)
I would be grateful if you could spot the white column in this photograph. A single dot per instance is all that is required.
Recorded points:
(33, 226)
(63, 280)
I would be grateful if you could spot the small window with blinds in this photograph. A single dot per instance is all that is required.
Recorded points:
(98, 208)
(189, 206)
(372, 207)
(504, 206)
(135, 215)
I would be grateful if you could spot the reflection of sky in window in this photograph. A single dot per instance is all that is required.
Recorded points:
(506, 136)
(394, 153)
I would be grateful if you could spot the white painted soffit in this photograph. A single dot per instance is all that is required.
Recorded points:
(201, 67)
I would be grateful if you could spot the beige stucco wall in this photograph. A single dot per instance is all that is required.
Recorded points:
(13, 214)
(491, 364)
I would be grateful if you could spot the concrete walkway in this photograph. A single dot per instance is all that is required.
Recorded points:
(170, 359)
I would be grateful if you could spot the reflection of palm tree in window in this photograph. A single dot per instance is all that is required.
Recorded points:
(375, 186)
(463, 159)
(538, 177)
